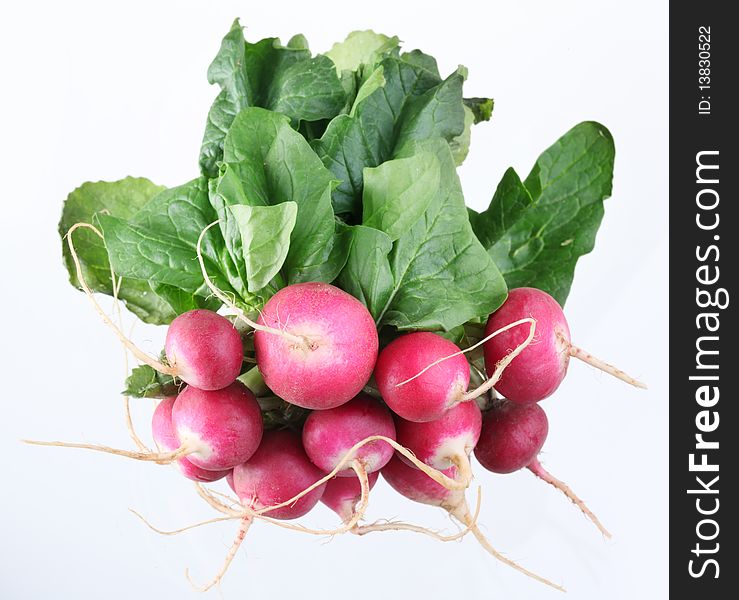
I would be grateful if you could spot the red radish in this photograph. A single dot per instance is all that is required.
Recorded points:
(166, 438)
(415, 485)
(446, 441)
(279, 470)
(430, 394)
(230, 480)
(220, 428)
(541, 366)
(327, 349)
(512, 436)
(204, 349)
(329, 434)
(342, 494)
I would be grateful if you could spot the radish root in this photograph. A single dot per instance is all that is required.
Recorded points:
(537, 469)
(505, 361)
(182, 529)
(464, 469)
(162, 458)
(400, 526)
(133, 348)
(240, 535)
(584, 356)
(434, 474)
(473, 347)
(462, 514)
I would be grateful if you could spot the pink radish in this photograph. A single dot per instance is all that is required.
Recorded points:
(422, 375)
(204, 349)
(540, 367)
(512, 436)
(220, 428)
(166, 438)
(279, 470)
(446, 441)
(415, 485)
(342, 494)
(316, 345)
(429, 395)
(329, 434)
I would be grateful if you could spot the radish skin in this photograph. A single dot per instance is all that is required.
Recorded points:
(539, 368)
(430, 395)
(328, 435)
(166, 438)
(446, 441)
(222, 427)
(342, 494)
(338, 351)
(277, 471)
(205, 349)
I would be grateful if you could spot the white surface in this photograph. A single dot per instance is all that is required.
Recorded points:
(103, 90)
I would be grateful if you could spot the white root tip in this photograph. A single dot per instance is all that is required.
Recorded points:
(240, 535)
(537, 469)
(593, 361)
(162, 458)
(462, 514)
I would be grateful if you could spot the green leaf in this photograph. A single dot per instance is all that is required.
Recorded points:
(442, 275)
(412, 104)
(265, 239)
(181, 301)
(139, 253)
(307, 91)
(424, 61)
(158, 244)
(274, 164)
(119, 198)
(460, 145)
(482, 108)
(367, 274)
(398, 192)
(361, 48)
(374, 81)
(145, 382)
(267, 74)
(537, 230)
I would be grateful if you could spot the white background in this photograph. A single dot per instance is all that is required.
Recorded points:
(102, 90)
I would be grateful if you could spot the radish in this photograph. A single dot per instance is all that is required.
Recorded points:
(445, 442)
(166, 438)
(220, 428)
(343, 494)
(416, 486)
(328, 435)
(204, 349)
(542, 365)
(428, 396)
(512, 436)
(422, 375)
(315, 345)
(277, 471)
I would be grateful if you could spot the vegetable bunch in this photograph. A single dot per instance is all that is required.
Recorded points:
(328, 222)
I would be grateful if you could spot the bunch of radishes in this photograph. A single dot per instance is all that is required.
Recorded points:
(406, 412)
